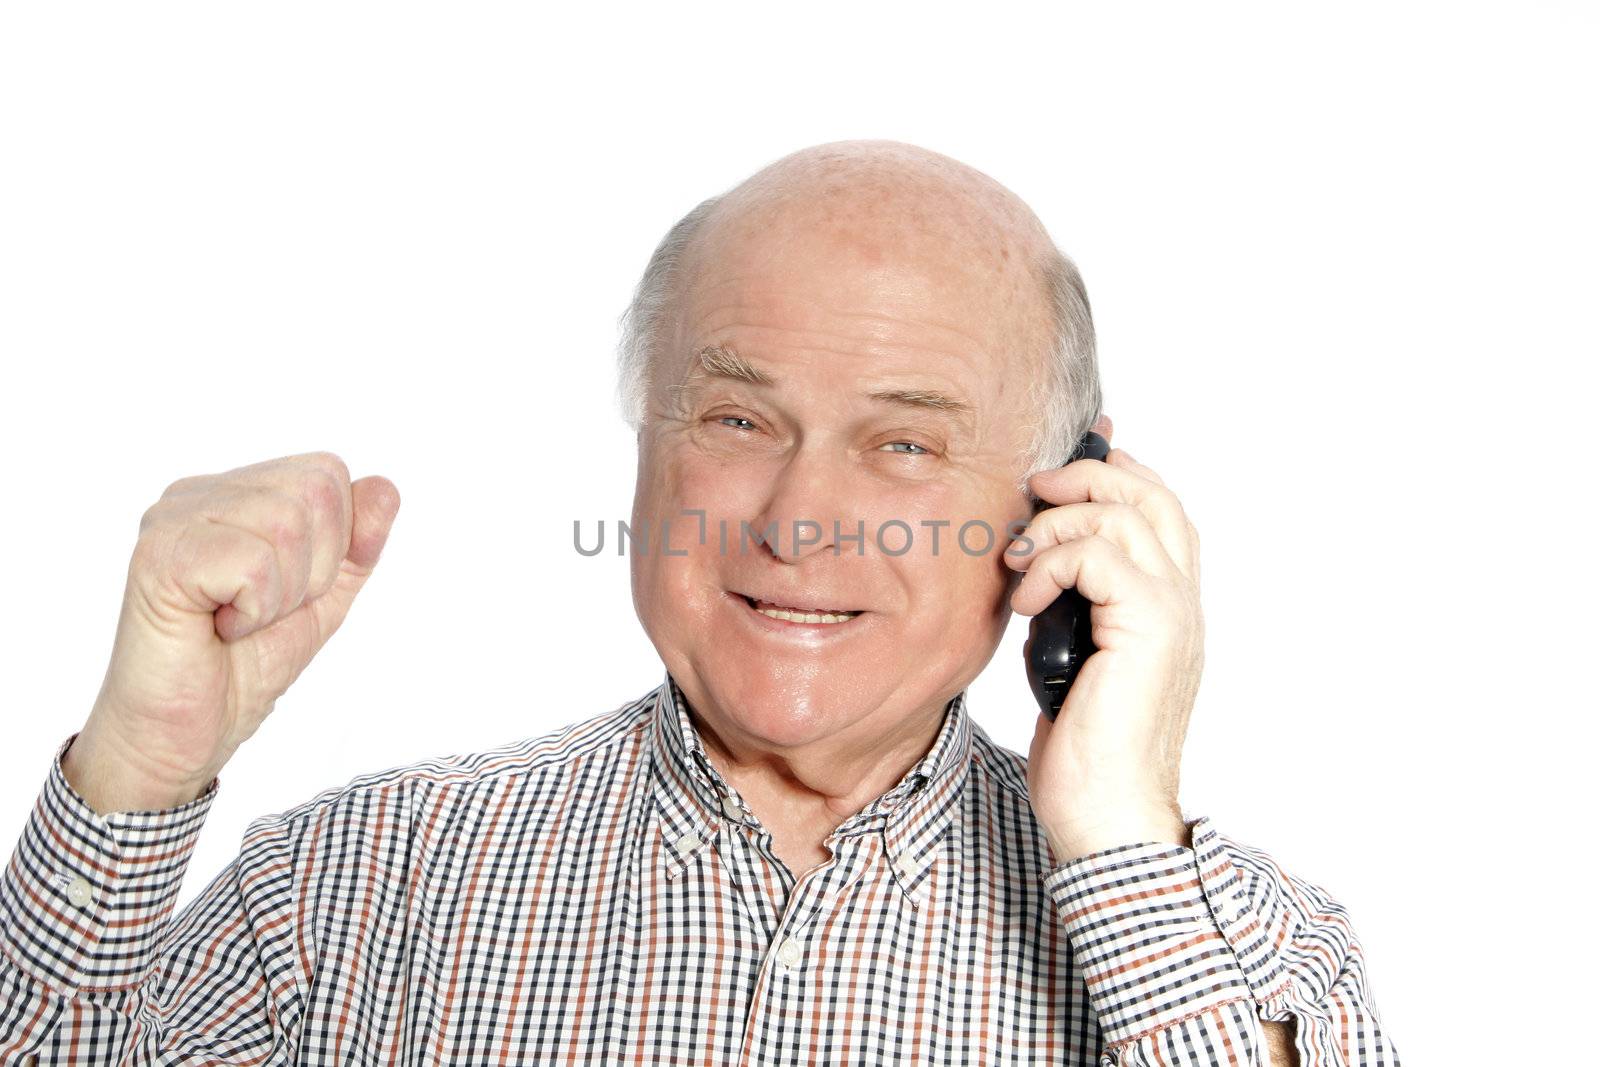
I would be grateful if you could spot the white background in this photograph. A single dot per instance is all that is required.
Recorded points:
(1342, 262)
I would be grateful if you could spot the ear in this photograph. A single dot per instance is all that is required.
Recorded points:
(1102, 426)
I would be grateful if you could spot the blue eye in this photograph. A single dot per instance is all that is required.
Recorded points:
(920, 451)
(737, 418)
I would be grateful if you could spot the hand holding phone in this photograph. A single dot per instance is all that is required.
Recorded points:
(1058, 638)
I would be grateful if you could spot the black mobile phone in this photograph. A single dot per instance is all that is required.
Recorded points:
(1058, 638)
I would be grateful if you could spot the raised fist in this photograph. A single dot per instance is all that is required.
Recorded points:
(237, 580)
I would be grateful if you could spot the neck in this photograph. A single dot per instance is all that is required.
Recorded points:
(818, 786)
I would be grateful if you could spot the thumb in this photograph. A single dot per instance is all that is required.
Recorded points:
(283, 649)
(375, 502)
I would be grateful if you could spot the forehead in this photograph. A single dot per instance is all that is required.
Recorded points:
(853, 298)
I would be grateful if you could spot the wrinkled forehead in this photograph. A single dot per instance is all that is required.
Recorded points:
(880, 285)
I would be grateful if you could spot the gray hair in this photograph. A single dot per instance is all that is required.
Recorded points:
(1066, 397)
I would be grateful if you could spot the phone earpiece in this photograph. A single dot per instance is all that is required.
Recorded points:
(1058, 638)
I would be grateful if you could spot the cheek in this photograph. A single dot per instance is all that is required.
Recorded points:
(674, 582)
(979, 612)
(730, 489)
(662, 580)
(958, 592)
(681, 482)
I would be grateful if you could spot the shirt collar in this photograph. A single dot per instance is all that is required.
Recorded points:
(694, 799)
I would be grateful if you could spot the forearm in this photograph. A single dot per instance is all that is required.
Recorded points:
(1212, 946)
(87, 932)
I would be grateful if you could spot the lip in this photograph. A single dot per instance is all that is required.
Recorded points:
(813, 631)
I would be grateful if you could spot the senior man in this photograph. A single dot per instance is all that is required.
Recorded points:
(799, 848)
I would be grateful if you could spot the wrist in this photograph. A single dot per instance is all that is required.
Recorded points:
(110, 783)
(1080, 834)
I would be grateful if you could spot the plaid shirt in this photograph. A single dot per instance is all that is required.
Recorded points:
(602, 895)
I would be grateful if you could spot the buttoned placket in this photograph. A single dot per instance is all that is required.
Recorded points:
(748, 857)
(855, 847)
(787, 917)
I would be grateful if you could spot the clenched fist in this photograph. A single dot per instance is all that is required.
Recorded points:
(236, 581)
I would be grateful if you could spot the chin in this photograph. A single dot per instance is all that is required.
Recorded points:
(786, 684)
(785, 708)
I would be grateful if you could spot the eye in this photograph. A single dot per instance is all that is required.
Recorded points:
(726, 419)
(894, 446)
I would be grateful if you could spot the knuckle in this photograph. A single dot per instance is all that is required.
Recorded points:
(325, 494)
(289, 526)
(179, 486)
(1120, 514)
(151, 553)
(151, 516)
(332, 464)
(260, 578)
(262, 562)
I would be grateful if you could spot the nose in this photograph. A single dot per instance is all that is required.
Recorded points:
(807, 509)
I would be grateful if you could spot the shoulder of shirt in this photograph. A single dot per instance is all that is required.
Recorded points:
(564, 744)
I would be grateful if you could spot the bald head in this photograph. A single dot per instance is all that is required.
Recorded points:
(901, 215)
(885, 196)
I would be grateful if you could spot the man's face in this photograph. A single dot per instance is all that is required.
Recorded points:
(832, 316)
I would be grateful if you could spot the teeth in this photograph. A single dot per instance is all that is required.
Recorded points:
(824, 617)
(795, 616)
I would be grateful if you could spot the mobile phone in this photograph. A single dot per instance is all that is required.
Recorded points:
(1058, 638)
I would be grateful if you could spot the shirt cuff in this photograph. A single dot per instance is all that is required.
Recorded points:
(1165, 938)
(86, 897)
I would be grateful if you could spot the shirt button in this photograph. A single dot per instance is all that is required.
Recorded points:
(789, 952)
(78, 891)
(687, 843)
(731, 808)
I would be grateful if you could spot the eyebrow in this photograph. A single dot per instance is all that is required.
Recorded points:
(721, 361)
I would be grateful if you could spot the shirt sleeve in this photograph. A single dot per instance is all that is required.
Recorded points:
(95, 969)
(1185, 951)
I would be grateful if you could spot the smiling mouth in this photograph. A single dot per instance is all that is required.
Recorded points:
(808, 615)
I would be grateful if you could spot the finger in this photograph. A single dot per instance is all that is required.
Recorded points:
(326, 495)
(1122, 524)
(284, 524)
(1092, 565)
(321, 481)
(1119, 457)
(1123, 459)
(283, 649)
(1088, 479)
(235, 573)
(376, 501)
